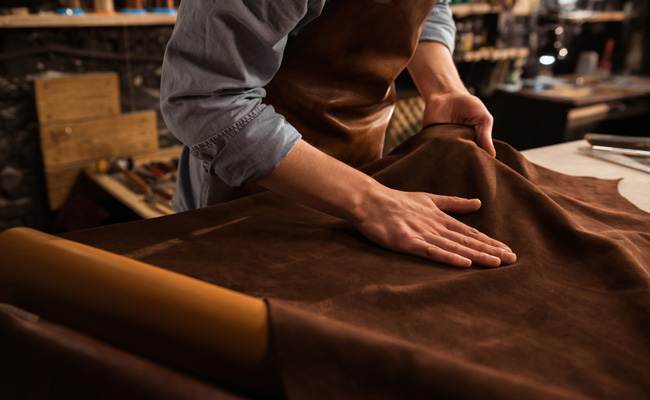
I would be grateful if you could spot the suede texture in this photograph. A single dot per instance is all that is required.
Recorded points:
(570, 319)
(43, 360)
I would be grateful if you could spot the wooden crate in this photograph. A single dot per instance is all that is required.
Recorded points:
(88, 140)
(61, 179)
(77, 97)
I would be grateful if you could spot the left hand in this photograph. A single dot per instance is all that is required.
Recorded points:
(460, 107)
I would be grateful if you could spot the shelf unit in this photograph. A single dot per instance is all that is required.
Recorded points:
(485, 53)
(467, 9)
(51, 20)
(591, 16)
(492, 54)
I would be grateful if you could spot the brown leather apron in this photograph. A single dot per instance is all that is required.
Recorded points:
(336, 82)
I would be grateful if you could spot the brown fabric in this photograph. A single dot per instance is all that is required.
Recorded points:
(41, 360)
(352, 320)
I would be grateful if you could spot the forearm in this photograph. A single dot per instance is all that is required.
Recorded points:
(446, 98)
(433, 70)
(408, 222)
(311, 177)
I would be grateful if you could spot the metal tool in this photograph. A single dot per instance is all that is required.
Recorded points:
(124, 167)
(626, 142)
(636, 162)
(622, 151)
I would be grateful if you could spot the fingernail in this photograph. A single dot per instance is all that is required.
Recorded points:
(509, 257)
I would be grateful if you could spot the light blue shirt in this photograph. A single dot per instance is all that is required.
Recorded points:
(218, 60)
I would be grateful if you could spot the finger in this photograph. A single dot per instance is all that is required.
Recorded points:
(457, 226)
(457, 205)
(484, 136)
(504, 254)
(475, 256)
(421, 248)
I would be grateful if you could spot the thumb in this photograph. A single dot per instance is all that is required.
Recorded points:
(484, 137)
(457, 205)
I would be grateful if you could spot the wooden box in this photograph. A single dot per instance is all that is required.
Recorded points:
(89, 140)
(77, 97)
(61, 179)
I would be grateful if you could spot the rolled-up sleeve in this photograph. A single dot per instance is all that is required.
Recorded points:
(217, 62)
(440, 26)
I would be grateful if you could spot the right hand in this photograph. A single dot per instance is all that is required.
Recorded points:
(413, 223)
(416, 223)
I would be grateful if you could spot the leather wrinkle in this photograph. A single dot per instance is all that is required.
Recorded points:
(534, 329)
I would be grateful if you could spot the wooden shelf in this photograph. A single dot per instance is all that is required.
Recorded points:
(492, 54)
(465, 9)
(591, 16)
(86, 20)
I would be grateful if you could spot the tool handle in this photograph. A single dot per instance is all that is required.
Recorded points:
(137, 184)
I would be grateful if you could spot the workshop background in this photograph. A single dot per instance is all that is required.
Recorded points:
(79, 85)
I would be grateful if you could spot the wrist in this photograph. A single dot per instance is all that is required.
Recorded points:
(360, 198)
(443, 85)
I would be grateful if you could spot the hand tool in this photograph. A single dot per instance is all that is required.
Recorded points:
(627, 142)
(124, 166)
(640, 163)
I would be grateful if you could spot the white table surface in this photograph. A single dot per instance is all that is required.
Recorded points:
(566, 158)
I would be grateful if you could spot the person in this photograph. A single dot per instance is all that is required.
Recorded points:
(224, 56)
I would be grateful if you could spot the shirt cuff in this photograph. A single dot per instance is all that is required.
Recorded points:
(440, 26)
(250, 149)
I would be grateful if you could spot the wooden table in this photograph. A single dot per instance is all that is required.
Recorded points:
(566, 158)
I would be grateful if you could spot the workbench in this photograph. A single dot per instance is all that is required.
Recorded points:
(565, 158)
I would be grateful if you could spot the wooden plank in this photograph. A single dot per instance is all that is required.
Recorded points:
(87, 20)
(464, 9)
(77, 97)
(60, 180)
(592, 16)
(136, 202)
(164, 154)
(77, 141)
(593, 113)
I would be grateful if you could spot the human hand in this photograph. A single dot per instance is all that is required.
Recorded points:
(413, 223)
(416, 223)
(460, 107)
